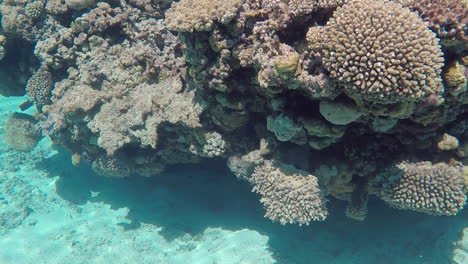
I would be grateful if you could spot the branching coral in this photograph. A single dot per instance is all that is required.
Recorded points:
(383, 51)
(289, 197)
(435, 189)
(200, 15)
(357, 206)
(302, 7)
(34, 9)
(448, 18)
(243, 166)
(28, 19)
(64, 45)
(112, 166)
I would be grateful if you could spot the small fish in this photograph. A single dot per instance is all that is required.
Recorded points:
(26, 105)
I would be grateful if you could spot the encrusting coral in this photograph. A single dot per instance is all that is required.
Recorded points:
(39, 87)
(303, 99)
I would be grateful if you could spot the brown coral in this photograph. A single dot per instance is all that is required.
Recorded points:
(39, 87)
(34, 9)
(200, 15)
(141, 112)
(448, 18)
(22, 132)
(302, 7)
(289, 196)
(455, 78)
(383, 51)
(435, 189)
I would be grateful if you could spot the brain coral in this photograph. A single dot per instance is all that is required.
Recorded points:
(435, 189)
(289, 198)
(200, 15)
(383, 51)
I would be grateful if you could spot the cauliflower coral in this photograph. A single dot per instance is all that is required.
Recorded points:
(200, 15)
(383, 52)
(288, 196)
(435, 189)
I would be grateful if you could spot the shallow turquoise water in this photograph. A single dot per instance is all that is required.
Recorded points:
(53, 212)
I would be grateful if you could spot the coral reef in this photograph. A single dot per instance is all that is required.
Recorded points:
(200, 15)
(435, 189)
(304, 99)
(110, 166)
(448, 18)
(384, 52)
(283, 127)
(289, 197)
(39, 87)
(22, 132)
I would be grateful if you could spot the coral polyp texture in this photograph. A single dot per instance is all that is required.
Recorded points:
(201, 15)
(22, 132)
(302, 7)
(289, 197)
(435, 189)
(305, 100)
(384, 52)
(110, 166)
(448, 18)
(39, 87)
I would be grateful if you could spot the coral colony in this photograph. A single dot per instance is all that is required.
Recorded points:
(303, 99)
